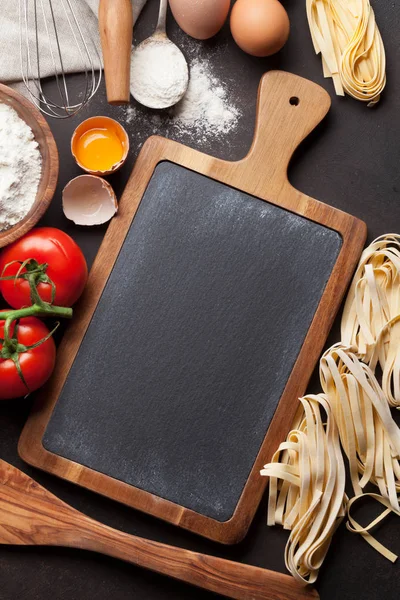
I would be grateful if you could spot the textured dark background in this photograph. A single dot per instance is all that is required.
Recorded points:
(352, 162)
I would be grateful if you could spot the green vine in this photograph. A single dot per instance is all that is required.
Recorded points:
(35, 274)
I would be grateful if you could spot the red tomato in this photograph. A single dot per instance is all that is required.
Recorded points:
(36, 365)
(66, 267)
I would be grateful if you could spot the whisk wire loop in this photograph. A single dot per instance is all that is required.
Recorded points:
(50, 46)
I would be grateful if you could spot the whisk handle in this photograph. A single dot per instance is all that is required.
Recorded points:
(116, 30)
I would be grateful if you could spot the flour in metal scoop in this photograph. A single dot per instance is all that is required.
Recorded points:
(159, 74)
(20, 167)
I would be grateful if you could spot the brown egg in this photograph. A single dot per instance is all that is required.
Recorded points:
(259, 27)
(200, 19)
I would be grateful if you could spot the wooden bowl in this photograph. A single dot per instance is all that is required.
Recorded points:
(48, 149)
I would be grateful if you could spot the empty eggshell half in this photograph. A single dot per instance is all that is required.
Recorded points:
(89, 200)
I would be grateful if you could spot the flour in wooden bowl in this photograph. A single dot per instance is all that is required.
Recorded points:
(20, 167)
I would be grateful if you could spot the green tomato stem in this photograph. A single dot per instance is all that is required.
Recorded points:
(7, 339)
(36, 310)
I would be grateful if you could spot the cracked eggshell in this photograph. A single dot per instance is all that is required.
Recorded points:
(89, 200)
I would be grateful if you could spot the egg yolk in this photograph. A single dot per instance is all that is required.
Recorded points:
(99, 149)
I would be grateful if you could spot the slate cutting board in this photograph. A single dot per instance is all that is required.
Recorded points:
(205, 313)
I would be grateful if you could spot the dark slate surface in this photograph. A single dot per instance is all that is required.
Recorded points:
(212, 295)
(352, 162)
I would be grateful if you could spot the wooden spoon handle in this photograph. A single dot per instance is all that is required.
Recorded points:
(30, 515)
(231, 579)
(116, 31)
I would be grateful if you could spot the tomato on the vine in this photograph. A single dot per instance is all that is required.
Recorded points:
(67, 267)
(36, 365)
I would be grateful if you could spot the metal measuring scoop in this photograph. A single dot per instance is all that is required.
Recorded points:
(159, 71)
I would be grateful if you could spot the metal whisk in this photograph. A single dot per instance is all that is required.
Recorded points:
(51, 31)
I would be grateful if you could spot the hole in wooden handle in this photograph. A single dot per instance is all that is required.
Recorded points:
(294, 101)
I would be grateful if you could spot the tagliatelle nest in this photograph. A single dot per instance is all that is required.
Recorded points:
(347, 36)
(307, 479)
(310, 501)
(371, 316)
(368, 433)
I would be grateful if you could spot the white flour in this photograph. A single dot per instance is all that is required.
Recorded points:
(20, 167)
(159, 74)
(206, 107)
(206, 111)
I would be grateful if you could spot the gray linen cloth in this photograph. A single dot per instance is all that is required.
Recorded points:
(10, 59)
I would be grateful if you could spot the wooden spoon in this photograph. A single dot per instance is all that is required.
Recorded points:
(30, 515)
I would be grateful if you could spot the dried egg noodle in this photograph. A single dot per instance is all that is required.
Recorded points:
(368, 433)
(311, 499)
(371, 317)
(387, 352)
(306, 491)
(347, 36)
(355, 527)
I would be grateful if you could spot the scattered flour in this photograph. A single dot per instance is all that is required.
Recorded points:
(20, 167)
(206, 111)
(130, 114)
(205, 108)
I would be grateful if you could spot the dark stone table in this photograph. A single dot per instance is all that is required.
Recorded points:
(352, 161)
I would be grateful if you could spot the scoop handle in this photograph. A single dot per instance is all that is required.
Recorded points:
(116, 32)
(162, 18)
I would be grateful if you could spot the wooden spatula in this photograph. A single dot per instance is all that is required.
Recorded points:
(30, 515)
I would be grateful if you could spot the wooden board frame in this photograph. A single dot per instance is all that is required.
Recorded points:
(289, 108)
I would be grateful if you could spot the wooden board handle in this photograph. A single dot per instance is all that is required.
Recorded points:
(116, 31)
(30, 515)
(289, 107)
